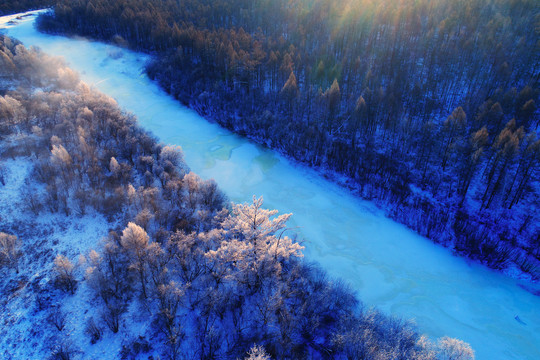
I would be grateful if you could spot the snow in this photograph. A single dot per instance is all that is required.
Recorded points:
(390, 266)
(10, 20)
(42, 239)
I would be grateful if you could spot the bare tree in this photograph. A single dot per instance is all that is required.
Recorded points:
(170, 297)
(111, 315)
(143, 218)
(65, 273)
(454, 349)
(10, 251)
(93, 330)
(57, 318)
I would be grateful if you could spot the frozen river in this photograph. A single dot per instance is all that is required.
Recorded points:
(390, 266)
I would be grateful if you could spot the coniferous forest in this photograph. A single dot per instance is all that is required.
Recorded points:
(428, 108)
(210, 278)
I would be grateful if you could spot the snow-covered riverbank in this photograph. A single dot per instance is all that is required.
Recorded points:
(390, 266)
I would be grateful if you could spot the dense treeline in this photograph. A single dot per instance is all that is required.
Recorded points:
(212, 279)
(428, 107)
(16, 6)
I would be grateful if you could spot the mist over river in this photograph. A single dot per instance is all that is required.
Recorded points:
(389, 266)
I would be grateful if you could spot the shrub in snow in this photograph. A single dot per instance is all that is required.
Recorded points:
(133, 347)
(32, 199)
(64, 351)
(112, 313)
(57, 318)
(93, 330)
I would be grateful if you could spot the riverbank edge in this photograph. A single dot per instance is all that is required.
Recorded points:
(399, 212)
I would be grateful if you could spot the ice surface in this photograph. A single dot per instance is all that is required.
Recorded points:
(391, 267)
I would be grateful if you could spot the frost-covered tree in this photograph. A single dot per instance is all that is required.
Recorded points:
(67, 78)
(114, 166)
(506, 147)
(454, 349)
(108, 271)
(290, 90)
(135, 240)
(60, 156)
(454, 128)
(170, 297)
(192, 183)
(254, 244)
(95, 276)
(187, 252)
(62, 162)
(143, 218)
(172, 159)
(257, 352)
(11, 112)
(10, 251)
(262, 228)
(65, 273)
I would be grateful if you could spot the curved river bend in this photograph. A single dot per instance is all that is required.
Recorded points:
(391, 267)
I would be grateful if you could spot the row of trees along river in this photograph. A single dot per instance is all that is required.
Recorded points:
(390, 265)
(429, 108)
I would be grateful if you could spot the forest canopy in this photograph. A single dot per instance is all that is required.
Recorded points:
(211, 279)
(430, 108)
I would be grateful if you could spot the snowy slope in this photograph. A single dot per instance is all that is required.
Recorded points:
(30, 295)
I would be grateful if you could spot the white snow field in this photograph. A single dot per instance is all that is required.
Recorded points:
(388, 265)
(25, 332)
